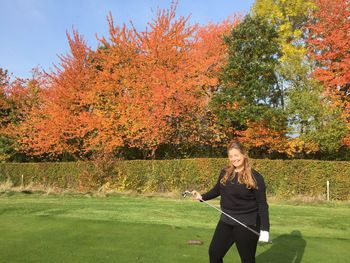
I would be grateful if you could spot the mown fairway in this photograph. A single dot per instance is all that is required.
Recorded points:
(124, 228)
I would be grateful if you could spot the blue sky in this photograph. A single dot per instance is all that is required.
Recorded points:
(33, 32)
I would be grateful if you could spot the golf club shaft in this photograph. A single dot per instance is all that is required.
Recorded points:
(247, 227)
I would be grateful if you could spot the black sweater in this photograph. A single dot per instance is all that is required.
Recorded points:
(246, 205)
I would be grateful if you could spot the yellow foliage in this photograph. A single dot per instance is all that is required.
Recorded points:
(298, 145)
(286, 15)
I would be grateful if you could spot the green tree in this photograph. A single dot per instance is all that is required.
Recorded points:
(314, 120)
(5, 149)
(249, 90)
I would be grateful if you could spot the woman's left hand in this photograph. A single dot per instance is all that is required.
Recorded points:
(264, 236)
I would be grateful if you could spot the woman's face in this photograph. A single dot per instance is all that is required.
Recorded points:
(236, 157)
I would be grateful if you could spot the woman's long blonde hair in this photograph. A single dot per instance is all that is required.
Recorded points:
(244, 177)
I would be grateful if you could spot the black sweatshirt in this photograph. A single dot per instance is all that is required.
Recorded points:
(249, 206)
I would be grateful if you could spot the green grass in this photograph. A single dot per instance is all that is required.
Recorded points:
(124, 228)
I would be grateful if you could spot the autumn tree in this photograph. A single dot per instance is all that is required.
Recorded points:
(197, 129)
(18, 97)
(313, 124)
(141, 80)
(62, 121)
(154, 86)
(136, 90)
(328, 42)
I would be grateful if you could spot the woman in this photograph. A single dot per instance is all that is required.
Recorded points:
(243, 197)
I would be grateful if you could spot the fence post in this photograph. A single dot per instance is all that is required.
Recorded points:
(327, 190)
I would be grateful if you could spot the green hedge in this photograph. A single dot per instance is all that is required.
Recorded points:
(284, 178)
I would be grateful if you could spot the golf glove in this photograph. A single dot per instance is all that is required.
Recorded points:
(264, 236)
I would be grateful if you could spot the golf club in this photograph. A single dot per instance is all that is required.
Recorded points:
(184, 194)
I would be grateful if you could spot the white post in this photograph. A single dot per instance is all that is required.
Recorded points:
(327, 190)
(22, 182)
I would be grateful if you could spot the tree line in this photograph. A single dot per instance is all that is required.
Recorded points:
(277, 79)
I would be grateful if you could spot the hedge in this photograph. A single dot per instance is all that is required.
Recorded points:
(284, 178)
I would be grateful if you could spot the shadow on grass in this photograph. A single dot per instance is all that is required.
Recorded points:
(288, 248)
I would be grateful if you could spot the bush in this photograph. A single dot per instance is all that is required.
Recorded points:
(284, 178)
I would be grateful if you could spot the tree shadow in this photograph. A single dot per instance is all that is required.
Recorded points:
(288, 248)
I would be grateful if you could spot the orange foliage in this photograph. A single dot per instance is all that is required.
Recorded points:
(210, 51)
(138, 89)
(329, 45)
(62, 121)
(160, 78)
(18, 97)
(258, 135)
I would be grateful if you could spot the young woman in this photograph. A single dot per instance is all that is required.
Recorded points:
(243, 197)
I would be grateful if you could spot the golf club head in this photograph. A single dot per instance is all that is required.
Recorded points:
(184, 194)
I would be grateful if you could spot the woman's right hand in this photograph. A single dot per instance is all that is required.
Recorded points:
(196, 195)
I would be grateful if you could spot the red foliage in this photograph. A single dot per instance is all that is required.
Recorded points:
(329, 44)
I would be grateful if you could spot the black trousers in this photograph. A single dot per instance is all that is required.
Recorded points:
(226, 235)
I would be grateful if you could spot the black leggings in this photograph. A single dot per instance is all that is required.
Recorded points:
(224, 237)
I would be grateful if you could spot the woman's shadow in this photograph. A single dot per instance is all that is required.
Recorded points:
(288, 248)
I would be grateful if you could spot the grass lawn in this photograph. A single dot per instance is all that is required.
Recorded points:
(125, 228)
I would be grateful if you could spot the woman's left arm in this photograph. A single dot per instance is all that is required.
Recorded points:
(263, 207)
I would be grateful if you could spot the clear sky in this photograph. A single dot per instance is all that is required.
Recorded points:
(33, 32)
